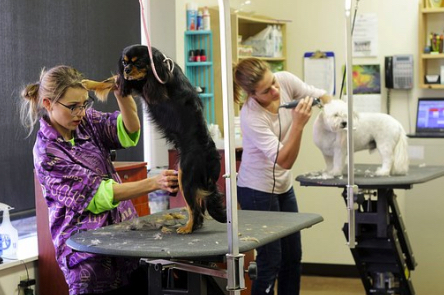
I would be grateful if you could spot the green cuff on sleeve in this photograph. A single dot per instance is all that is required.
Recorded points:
(126, 140)
(103, 200)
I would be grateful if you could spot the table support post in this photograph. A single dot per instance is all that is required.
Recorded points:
(236, 280)
(383, 254)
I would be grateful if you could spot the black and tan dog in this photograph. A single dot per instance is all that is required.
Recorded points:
(176, 109)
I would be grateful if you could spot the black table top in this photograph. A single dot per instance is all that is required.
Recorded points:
(256, 228)
(365, 177)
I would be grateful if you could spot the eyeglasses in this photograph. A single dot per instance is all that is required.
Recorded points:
(77, 110)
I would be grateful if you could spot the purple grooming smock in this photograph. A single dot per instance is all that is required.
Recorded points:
(70, 176)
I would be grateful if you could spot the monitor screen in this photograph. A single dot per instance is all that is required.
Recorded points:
(430, 114)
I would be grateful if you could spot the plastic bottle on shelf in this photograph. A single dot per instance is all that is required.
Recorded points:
(191, 16)
(191, 56)
(266, 35)
(279, 41)
(8, 233)
(203, 56)
(206, 19)
(275, 37)
(197, 55)
(199, 20)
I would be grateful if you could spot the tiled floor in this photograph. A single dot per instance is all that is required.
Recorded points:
(311, 285)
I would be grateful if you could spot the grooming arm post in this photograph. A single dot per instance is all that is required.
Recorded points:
(235, 260)
(352, 189)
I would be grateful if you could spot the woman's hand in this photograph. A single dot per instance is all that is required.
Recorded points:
(302, 112)
(167, 180)
(118, 95)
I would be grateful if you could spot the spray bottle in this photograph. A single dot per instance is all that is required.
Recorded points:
(9, 235)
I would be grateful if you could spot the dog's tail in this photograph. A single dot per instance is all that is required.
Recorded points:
(215, 206)
(101, 89)
(401, 156)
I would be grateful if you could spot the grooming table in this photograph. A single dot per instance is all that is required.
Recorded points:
(383, 254)
(142, 238)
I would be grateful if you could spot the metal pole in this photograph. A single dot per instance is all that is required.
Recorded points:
(351, 188)
(235, 260)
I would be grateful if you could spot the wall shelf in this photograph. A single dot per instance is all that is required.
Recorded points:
(432, 56)
(198, 64)
(200, 73)
(430, 20)
(245, 26)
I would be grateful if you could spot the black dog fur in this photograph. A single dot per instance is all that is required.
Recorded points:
(176, 109)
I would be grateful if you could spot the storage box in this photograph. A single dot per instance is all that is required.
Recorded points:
(262, 43)
(245, 50)
(431, 79)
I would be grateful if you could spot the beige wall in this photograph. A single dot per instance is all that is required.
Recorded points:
(320, 24)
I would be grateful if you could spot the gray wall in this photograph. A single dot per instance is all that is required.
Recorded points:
(86, 34)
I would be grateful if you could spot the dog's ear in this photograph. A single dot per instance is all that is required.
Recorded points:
(101, 89)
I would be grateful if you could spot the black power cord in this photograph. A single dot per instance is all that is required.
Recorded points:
(275, 161)
(24, 284)
(290, 105)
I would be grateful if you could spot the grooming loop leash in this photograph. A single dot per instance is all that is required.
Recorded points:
(167, 60)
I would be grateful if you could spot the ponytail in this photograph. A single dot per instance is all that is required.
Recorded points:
(52, 85)
(29, 108)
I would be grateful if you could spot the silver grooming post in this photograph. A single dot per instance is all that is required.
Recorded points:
(235, 260)
(352, 189)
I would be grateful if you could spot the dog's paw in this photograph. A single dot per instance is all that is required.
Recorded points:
(335, 173)
(184, 230)
(382, 172)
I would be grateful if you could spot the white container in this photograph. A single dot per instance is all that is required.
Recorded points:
(280, 41)
(442, 75)
(191, 16)
(9, 235)
(275, 37)
(158, 200)
(262, 43)
(215, 131)
(237, 128)
(206, 19)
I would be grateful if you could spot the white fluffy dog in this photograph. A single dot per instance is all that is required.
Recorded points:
(371, 131)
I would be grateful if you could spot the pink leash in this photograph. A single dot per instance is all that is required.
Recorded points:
(167, 60)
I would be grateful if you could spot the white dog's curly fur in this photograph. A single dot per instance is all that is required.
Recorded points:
(371, 131)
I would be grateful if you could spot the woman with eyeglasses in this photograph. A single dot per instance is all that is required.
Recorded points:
(80, 185)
